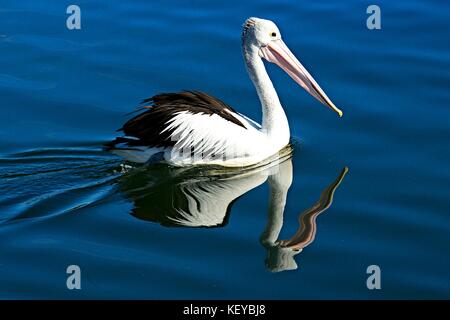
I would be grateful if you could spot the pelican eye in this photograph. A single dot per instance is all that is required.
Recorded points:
(273, 34)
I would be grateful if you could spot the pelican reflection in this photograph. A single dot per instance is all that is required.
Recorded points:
(280, 253)
(204, 196)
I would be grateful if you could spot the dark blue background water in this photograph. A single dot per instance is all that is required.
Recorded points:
(64, 93)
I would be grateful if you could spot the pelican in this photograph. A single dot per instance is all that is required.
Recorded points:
(192, 127)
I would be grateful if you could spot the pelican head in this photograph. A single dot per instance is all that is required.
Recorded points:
(262, 37)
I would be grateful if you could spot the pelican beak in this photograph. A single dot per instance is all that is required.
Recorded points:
(277, 52)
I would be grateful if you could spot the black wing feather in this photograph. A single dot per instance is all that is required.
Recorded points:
(147, 126)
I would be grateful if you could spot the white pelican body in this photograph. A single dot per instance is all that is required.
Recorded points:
(194, 128)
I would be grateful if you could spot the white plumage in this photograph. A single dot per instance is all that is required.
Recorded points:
(215, 140)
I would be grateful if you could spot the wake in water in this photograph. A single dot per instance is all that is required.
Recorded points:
(46, 182)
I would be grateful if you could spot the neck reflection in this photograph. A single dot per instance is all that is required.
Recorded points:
(280, 253)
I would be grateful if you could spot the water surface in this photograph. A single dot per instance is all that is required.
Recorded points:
(64, 201)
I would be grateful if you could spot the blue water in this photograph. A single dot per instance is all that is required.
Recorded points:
(64, 201)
